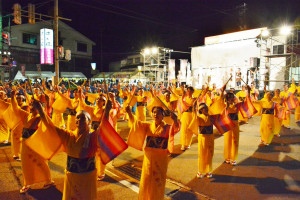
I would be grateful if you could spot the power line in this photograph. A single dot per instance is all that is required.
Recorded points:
(134, 17)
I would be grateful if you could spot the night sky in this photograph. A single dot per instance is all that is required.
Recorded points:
(124, 27)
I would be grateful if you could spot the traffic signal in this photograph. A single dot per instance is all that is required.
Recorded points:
(5, 38)
(61, 52)
(31, 13)
(17, 13)
(68, 55)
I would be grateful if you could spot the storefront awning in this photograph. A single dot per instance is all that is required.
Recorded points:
(72, 75)
(138, 75)
(34, 75)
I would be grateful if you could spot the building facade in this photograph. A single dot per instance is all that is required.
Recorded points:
(248, 56)
(25, 47)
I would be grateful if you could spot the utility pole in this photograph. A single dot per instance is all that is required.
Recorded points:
(1, 27)
(56, 80)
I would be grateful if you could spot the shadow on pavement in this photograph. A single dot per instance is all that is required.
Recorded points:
(47, 194)
(182, 194)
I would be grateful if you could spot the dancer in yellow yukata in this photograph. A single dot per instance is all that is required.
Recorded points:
(140, 100)
(297, 110)
(267, 123)
(158, 136)
(169, 99)
(72, 104)
(202, 126)
(81, 147)
(4, 130)
(241, 95)
(231, 138)
(35, 168)
(58, 108)
(277, 121)
(284, 95)
(186, 118)
(96, 113)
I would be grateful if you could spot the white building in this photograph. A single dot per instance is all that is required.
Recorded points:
(259, 58)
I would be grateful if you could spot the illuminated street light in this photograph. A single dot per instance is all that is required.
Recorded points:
(147, 51)
(265, 33)
(154, 50)
(140, 68)
(285, 30)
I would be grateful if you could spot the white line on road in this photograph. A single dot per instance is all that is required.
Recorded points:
(125, 183)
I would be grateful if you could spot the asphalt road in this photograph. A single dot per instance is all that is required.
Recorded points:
(271, 172)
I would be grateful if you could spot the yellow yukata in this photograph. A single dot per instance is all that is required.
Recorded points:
(267, 120)
(59, 107)
(16, 126)
(297, 110)
(203, 126)
(35, 168)
(73, 105)
(4, 130)
(231, 138)
(155, 163)
(241, 95)
(79, 182)
(96, 115)
(140, 111)
(186, 119)
(277, 122)
(287, 121)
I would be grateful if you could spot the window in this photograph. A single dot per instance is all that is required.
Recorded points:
(29, 39)
(137, 60)
(130, 61)
(82, 47)
(278, 49)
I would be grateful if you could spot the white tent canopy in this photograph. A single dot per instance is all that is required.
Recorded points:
(72, 75)
(34, 74)
(139, 76)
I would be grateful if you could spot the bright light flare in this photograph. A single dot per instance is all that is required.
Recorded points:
(154, 50)
(265, 33)
(147, 51)
(285, 30)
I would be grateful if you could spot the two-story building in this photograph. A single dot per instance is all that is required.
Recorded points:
(25, 47)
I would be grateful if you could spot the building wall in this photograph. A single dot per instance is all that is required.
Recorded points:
(29, 54)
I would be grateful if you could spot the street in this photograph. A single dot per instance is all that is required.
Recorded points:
(269, 172)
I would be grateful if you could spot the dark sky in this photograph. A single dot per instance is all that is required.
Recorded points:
(124, 27)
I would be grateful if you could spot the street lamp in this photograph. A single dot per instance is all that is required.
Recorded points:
(285, 30)
(265, 33)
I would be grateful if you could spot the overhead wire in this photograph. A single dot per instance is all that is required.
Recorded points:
(186, 29)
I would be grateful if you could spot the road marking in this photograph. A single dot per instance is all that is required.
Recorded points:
(125, 183)
(292, 185)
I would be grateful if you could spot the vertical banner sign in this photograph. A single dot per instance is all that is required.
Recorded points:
(172, 69)
(23, 70)
(46, 46)
(183, 68)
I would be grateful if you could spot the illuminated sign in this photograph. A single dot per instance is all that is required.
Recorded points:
(46, 46)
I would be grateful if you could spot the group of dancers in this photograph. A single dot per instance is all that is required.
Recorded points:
(44, 119)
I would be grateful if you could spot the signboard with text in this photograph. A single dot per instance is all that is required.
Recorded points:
(46, 46)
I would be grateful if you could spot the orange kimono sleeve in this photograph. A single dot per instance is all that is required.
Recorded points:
(45, 141)
(137, 134)
(217, 107)
(61, 103)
